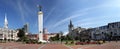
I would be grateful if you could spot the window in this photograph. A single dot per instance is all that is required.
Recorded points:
(111, 33)
(11, 35)
(115, 33)
(1, 34)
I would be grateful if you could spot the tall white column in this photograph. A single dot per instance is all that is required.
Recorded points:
(40, 25)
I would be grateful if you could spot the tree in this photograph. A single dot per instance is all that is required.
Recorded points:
(68, 37)
(57, 37)
(77, 38)
(61, 36)
(52, 39)
(21, 34)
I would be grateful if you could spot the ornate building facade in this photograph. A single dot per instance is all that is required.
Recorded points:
(107, 32)
(6, 33)
(110, 31)
(74, 32)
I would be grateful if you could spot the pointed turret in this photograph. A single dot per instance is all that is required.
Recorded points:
(70, 25)
(6, 22)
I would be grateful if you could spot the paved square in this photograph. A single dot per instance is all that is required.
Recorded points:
(12, 45)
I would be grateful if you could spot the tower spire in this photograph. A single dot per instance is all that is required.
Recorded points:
(70, 22)
(70, 25)
(6, 21)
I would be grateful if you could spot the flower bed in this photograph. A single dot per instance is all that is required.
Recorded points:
(83, 43)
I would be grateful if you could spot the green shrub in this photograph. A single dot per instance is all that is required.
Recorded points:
(66, 42)
(72, 42)
(39, 43)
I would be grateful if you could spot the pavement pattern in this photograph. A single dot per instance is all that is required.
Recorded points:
(13, 45)
(55, 46)
(108, 45)
(19, 46)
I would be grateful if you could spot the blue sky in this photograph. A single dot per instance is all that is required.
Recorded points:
(57, 13)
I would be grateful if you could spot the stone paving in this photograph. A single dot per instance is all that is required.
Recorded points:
(55, 46)
(19, 46)
(109, 45)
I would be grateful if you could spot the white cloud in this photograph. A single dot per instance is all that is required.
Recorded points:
(67, 19)
(24, 10)
(100, 19)
(108, 4)
(21, 10)
(97, 21)
(65, 33)
(49, 13)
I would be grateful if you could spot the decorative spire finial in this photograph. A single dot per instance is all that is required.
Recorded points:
(70, 22)
(40, 7)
